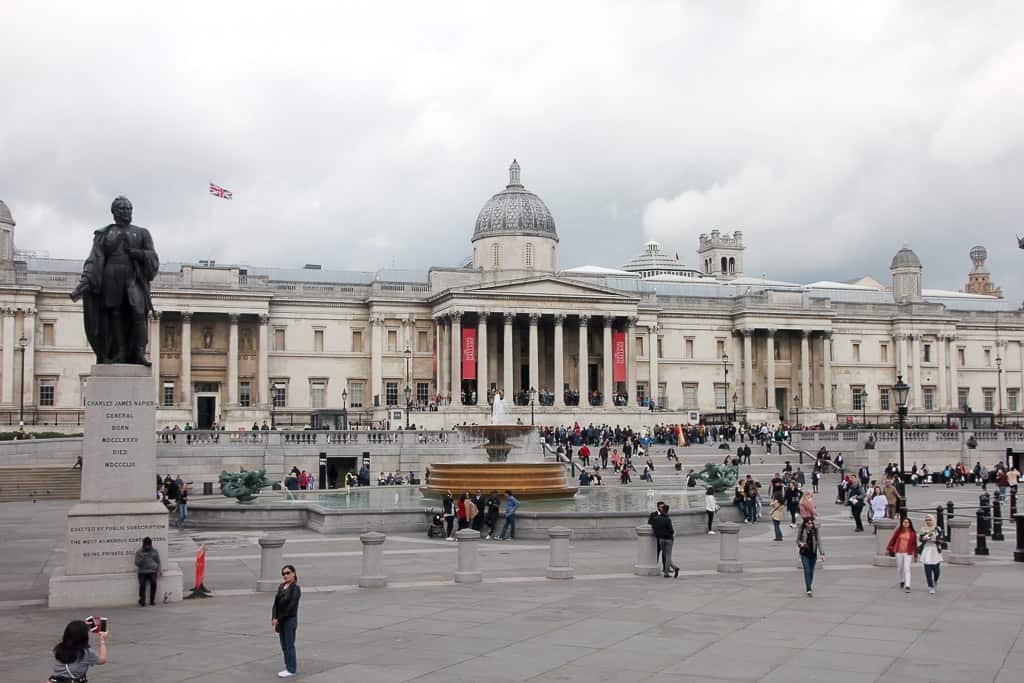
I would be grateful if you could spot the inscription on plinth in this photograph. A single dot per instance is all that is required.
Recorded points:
(102, 540)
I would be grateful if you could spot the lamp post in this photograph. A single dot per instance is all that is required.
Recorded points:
(533, 393)
(864, 408)
(344, 409)
(734, 399)
(408, 387)
(999, 386)
(273, 400)
(725, 369)
(23, 343)
(796, 410)
(900, 389)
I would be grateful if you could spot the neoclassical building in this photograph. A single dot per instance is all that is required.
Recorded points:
(238, 345)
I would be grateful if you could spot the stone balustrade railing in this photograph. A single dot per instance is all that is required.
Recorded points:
(851, 437)
(204, 438)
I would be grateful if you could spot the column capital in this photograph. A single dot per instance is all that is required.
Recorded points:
(745, 331)
(826, 335)
(633, 320)
(154, 315)
(559, 319)
(584, 320)
(609, 320)
(482, 317)
(186, 317)
(534, 319)
(233, 318)
(509, 318)
(456, 317)
(771, 331)
(951, 337)
(804, 334)
(652, 328)
(264, 319)
(376, 320)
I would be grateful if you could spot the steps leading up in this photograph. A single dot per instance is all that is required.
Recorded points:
(40, 482)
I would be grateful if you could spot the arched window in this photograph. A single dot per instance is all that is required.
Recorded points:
(495, 255)
(732, 266)
(725, 266)
(528, 255)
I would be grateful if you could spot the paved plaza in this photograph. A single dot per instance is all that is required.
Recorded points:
(606, 624)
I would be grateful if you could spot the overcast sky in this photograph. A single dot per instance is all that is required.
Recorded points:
(367, 135)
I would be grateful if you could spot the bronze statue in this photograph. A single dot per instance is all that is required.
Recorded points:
(115, 288)
(719, 477)
(243, 485)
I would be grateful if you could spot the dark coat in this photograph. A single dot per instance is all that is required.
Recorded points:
(286, 602)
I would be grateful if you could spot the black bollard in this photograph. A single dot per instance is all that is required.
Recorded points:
(950, 510)
(1018, 554)
(940, 517)
(984, 513)
(980, 547)
(997, 519)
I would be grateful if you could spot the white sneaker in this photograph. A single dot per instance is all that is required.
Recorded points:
(449, 539)
(931, 591)
(285, 674)
(712, 533)
(488, 537)
(792, 526)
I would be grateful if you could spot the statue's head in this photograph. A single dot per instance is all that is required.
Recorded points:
(122, 209)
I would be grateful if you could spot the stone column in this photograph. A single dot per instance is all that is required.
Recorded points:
(186, 361)
(558, 559)
(646, 552)
(372, 573)
(826, 367)
(805, 371)
(271, 561)
(631, 361)
(954, 380)
(960, 551)
(263, 363)
(884, 528)
(456, 367)
(508, 380)
(481, 359)
(943, 403)
(28, 382)
(582, 385)
(437, 357)
(729, 548)
(608, 385)
(154, 352)
(652, 330)
(468, 568)
(377, 358)
(769, 373)
(559, 361)
(534, 353)
(915, 355)
(232, 360)
(748, 368)
(443, 347)
(10, 343)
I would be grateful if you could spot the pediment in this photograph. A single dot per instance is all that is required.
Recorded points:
(548, 288)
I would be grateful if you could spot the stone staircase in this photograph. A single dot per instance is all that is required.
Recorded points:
(39, 482)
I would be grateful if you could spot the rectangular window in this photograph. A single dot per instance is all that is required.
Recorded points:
(167, 397)
(963, 397)
(47, 388)
(660, 353)
(641, 391)
(1013, 400)
(856, 352)
(392, 341)
(423, 392)
(720, 397)
(355, 394)
(357, 341)
(317, 392)
(689, 397)
(244, 394)
(961, 356)
(989, 397)
(883, 399)
(720, 348)
(422, 342)
(928, 394)
(48, 338)
(640, 347)
(279, 339)
(988, 358)
(688, 351)
(279, 395)
(858, 398)
(391, 393)
(318, 341)
(207, 387)
(883, 350)
(926, 352)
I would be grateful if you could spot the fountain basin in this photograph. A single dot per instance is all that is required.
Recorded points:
(525, 479)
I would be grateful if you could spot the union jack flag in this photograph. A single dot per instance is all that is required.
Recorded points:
(218, 191)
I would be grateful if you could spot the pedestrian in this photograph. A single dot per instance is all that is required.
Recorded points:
(931, 541)
(72, 656)
(879, 507)
(815, 479)
(777, 509)
(472, 511)
(461, 511)
(856, 499)
(285, 618)
(448, 512)
(511, 505)
(792, 496)
(807, 510)
(664, 535)
(147, 564)
(710, 507)
(182, 506)
(491, 516)
(809, 543)
(481, 509)
(903, 546)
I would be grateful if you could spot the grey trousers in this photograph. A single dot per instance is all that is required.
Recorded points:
(665, 545)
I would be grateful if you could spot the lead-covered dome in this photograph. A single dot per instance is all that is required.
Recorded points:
(514, 211)
(905, 258)
(5, 214)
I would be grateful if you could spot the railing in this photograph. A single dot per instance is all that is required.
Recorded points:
(37, 417)
(891, 436)
(202, 437)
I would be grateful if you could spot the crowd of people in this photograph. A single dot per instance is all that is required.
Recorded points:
(477, 512)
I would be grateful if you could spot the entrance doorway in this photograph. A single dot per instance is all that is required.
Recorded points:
(337, 468)
(592, 382)
(206, 411)
(781, 402)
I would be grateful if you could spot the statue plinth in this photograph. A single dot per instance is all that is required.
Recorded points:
(117, 508)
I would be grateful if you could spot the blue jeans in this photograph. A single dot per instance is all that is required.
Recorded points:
(808, 564)
(778, 530)
(509, 527)
(286, 632)
(931, 574)
(182, 514)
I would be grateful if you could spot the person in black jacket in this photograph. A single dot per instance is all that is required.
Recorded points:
(661, 524)
(285, 617)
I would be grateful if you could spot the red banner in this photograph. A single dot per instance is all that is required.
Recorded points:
(468, 353)
(618, 356)
(200, 565)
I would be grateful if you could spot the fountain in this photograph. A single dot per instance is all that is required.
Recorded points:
(525, 476)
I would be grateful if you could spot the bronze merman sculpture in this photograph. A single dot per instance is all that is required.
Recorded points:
(115, 288)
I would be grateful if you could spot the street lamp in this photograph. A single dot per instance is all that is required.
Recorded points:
(408, 388)
(23, 343)
(864, 408)
(796, 410)
(725, 368)
(734, 399)
(999, 386)
(273, 400)
(900, 389)
(344, 409)
(533, 393)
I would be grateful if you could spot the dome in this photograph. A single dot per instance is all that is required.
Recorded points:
(653, 261)
(5, 214)
(905, 258)
(514, 211)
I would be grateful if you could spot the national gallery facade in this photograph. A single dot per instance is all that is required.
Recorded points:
(237, 345)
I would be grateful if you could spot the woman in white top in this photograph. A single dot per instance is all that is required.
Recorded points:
(931, 540)
(711, 507)
(879, 506)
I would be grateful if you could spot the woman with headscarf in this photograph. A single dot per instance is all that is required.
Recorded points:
(931, 540)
